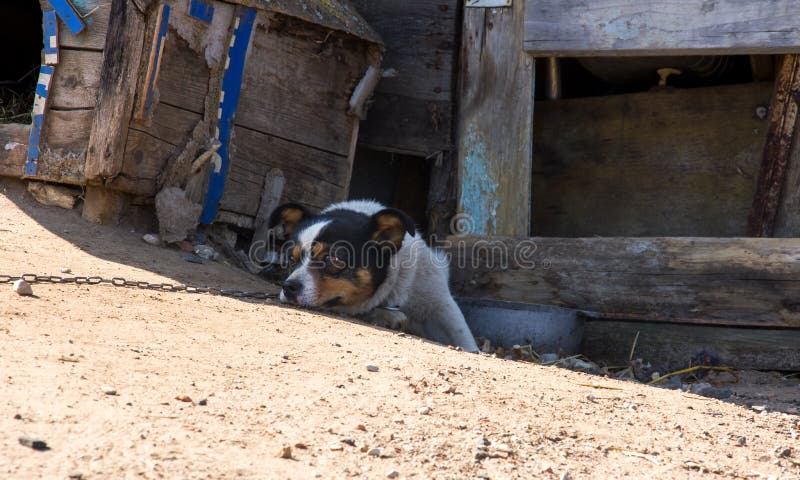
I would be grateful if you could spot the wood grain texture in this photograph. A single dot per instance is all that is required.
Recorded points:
(76, 79)
(651, 27)
(777, 149)
(666, 163)
(297, 83)
(313, 177)
(150, 147)
(117, 89)
(670, 347)
(64, 143)
(62, 151)
(94, 36)
(495, 132)
(741, 282)
(413, 110)
(13, 149)
(183, 80)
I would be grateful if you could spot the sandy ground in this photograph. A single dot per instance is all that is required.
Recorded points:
(275, 377)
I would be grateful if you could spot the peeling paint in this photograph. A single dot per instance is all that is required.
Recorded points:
(479, 185)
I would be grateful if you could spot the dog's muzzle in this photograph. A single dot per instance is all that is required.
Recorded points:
(291, 291)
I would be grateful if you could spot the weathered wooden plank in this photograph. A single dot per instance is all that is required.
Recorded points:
(652, 27)
(64, 143)
(737, 281)
(671, 347)
(313, 177)
(13, 148)
(62, 150)
(495, 132)
(413, 109)
(777, 149)
(400, 123)
(297, 83)
(94, 36)
(117, 88)
(668, 163)
(76, 80)
(149, 148)
(183, 80)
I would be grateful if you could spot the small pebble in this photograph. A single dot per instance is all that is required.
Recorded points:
(484, 442)
(566, 476)
(741, 441)
(18, 417)
(374, 452)
(183, 398)
(286, 452)
(202, 402)
(34, 443)
(66, 270)
(424, 410)
(21, 287)
(785, 453)
(348, 441)
(151, 239)
(108, 390)
(393, 474)
(372, 368)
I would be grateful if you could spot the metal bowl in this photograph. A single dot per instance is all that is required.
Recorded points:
(546, 328)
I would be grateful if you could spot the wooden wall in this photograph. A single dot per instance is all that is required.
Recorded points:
(413, 111)
(666, 163)
(292, 114)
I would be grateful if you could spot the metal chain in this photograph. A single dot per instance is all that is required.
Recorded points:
(124, 283)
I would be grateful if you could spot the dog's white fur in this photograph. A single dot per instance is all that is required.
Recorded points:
(416, 282)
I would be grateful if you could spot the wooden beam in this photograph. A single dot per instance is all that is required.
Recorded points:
(653, 27)
(671, 347)
(118, 80)
(495, 132)
(777, 150)
(723, 281)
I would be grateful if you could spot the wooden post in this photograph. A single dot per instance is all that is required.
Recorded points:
(495, 132)
(777, 150)
(121, 60)
(103, 206)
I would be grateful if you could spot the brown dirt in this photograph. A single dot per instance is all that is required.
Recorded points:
(277, 377)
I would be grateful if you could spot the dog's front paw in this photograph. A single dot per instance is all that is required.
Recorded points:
(391, 319)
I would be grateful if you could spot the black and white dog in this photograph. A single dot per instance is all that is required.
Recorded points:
(359, 258)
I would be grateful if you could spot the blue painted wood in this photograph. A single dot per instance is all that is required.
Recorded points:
(50, 23)
(42, 90)
(68, 15)
(161, 37)
(231, 88)
(201, 10)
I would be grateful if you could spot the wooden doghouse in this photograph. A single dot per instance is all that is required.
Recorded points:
(131, 92)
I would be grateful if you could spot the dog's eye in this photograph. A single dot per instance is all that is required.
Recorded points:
(334, 263)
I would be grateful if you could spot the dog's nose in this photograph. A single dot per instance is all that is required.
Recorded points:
(291, 289)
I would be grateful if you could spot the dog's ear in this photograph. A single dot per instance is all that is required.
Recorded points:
(389, 226)
(285, 219)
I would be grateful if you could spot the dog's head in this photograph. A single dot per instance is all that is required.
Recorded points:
(340, 256)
